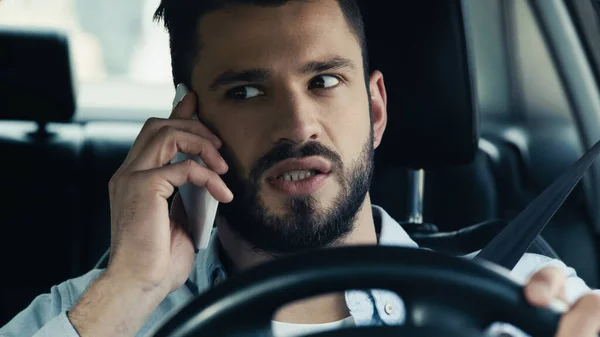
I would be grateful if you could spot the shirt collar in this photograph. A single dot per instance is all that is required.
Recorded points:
(209, 269)
(391, 233)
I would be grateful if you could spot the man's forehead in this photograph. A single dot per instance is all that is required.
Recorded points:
(250, 37)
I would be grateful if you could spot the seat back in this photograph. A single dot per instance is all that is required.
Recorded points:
(432, 120)
(38, 185)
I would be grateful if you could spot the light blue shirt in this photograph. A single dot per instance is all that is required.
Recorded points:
(46, 315)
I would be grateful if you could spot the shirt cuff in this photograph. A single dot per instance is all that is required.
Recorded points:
(58, 326)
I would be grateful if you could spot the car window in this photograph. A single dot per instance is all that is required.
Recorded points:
(537, 87)
(119, 55)
(587, 19)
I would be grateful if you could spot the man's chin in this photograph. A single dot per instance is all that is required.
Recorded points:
(293, 224)
(284, 207)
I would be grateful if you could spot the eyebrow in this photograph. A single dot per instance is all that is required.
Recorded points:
(261, 75)
(335, 63)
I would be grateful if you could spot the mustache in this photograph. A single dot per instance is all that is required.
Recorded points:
(284, 151)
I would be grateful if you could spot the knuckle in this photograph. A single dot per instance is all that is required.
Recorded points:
(190, 164)
(186, 167)
(191, 167)
(540, 278)
(167, 131)
(213, 178)
(115, 181)
(168, 140)
(548, 275)
(152, 122)
(112, 183)
(205, 146)
(136, 177)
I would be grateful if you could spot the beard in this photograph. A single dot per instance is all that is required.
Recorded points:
(304, 224)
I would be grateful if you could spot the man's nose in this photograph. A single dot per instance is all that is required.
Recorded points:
(296, 120)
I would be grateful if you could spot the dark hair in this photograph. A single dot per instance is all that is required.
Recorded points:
(181, 19)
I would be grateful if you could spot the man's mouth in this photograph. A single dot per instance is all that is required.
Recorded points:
(294, 169)
(298, 175)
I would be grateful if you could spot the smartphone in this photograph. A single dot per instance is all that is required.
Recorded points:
(200, 207)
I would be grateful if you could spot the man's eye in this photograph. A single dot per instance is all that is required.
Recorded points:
(324, 82)
(243, 93)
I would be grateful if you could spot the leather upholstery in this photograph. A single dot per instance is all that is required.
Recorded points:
(431, 113)
(41, 200)
(32, 87)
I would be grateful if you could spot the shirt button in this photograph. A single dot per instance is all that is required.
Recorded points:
(389, 309)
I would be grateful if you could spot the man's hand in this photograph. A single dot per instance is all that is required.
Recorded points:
(583, 317)
(147, 247)
(151, 254)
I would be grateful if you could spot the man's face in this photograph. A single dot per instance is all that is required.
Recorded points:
(284, 89)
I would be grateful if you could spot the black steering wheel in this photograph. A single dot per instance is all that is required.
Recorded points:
(443, 295)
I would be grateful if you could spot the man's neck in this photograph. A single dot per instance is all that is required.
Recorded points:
(321, 309)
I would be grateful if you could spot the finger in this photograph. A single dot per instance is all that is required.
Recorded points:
(184, 98)
(152, 127)
(583, 320)
(200, 129)
(168, 141)
(192, 126)
(544, 286)
(171, 176)
(186, 107)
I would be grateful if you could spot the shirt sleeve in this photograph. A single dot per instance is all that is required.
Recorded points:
(47, 313)
(58, 326)
(575, 287)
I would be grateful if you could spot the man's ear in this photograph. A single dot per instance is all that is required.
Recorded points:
(378, 106)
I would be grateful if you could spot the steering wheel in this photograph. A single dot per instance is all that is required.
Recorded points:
(443, 295)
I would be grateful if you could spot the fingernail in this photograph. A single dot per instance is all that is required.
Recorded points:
(180, 93)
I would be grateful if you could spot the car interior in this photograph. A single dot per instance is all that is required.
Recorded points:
(489, 102)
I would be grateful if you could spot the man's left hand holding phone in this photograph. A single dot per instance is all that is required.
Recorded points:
(152, 253)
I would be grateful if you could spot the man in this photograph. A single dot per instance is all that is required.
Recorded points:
(284, 95)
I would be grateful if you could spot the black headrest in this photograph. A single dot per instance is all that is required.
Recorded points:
(35, 76)
(420, 46)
